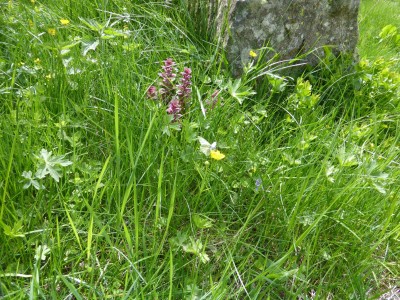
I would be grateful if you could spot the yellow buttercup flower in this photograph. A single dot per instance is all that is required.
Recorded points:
(51, 31)
(64, 21)
(252, 54)
(215, 154)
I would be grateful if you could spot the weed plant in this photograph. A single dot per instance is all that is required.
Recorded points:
(285, 189)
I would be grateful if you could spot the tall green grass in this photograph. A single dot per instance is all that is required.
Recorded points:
(304, 205)
(374, 16)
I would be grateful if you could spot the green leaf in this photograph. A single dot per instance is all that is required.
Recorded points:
(379, 187)
(41, 252)
(376, 177)
(92, 24)
(346, 158)
(29, 180)
(189, 129)
(179, 240)
(201, 222)
(51, 165)
(387, 32)
(330, 170)
(196, 247)
(238, 91)
(112, 33)
(89, 45)
(289, 158)
(170, 125)
(278, 83)
(68, 45)
(260, 263)
(15, 231)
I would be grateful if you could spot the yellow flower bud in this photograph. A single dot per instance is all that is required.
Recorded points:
(64, 21)
(253, 54)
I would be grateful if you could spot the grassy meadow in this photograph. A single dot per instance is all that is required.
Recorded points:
(133, 166)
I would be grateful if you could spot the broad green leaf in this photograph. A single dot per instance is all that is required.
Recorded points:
(51, 165)
(29, 180)
(238, 91)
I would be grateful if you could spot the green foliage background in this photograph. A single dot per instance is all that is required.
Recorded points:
(103, 197)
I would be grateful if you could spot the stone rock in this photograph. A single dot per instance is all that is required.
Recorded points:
(290, 27)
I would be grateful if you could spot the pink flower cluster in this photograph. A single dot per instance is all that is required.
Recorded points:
(176, 96)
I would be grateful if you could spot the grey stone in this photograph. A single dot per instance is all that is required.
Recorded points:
(291, 27)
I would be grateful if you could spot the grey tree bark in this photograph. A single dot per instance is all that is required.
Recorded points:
(291, 27)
